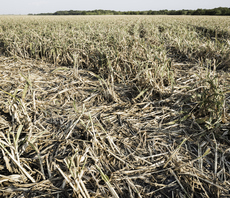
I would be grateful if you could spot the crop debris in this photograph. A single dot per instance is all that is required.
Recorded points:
(98, 106)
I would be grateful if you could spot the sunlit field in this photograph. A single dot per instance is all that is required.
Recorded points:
(114, 106)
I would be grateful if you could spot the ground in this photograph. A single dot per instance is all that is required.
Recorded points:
(79, 133)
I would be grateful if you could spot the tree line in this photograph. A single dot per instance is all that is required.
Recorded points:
(216, 11)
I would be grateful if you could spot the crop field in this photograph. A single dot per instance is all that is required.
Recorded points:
(115, 106)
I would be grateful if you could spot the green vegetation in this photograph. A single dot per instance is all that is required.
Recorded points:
(114, 106)
(216, 11)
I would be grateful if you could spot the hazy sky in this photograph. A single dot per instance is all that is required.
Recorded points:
(43, 6)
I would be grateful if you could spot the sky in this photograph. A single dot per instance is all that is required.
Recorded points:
(45, 6)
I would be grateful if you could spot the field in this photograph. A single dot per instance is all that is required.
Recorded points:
(114, 106)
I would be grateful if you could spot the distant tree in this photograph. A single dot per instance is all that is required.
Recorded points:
(162, 12)
(215, 11)
(210, 12)
(184, 12)
(225, 11)
(199, 12)
(172, 12)
(218, 12)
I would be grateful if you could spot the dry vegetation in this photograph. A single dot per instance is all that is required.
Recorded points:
(125, 106)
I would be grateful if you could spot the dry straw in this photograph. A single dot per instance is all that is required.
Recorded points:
(114, 107)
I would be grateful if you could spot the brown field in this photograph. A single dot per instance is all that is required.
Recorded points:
(114, 106)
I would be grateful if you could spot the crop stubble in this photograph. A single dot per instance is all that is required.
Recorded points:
(114, 106)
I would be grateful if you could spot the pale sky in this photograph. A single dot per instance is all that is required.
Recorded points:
(44, 6)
